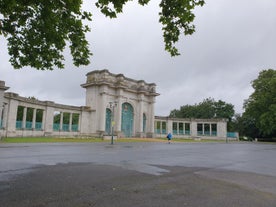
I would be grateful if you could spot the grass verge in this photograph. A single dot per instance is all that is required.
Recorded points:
(76, 140)
(96, 140)
(47, 140)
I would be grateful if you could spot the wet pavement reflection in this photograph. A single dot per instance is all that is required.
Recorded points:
(143, 157)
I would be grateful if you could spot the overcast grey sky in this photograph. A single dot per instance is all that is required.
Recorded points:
(233, 42)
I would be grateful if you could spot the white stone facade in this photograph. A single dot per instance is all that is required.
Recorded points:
(114, 105)
(191, 128)
(104, 88)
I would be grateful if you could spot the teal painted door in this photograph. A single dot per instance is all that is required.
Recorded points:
(108, 121)
(127, 119)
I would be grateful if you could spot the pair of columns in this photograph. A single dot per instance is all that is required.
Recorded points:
(178, 127)
(70, 121)
(210, 128)
(24, 119)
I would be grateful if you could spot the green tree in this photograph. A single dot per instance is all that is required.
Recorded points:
(260, 108)
(207, 109)
(244, 125)
(38, 31)
(224, 110)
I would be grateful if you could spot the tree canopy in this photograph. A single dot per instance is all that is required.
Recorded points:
(37, 31)
(207, 109)
(260, 108)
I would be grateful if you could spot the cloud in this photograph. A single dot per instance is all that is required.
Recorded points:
(233, 42)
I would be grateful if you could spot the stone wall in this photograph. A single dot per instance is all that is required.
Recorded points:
(104, 89)
(130, 102)
(13, 127)
(191, 128)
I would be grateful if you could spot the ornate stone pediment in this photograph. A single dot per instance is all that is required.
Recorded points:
(104, 77)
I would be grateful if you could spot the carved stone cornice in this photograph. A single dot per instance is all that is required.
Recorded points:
(119, 81)
(3, 86)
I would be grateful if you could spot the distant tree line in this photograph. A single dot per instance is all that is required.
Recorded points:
(259, 117)
(207, 109)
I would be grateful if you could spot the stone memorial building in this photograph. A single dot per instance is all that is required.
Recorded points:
(115, 105)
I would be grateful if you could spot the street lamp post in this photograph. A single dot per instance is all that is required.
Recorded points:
(112, 105)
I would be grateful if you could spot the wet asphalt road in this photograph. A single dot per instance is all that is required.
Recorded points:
(128, 174)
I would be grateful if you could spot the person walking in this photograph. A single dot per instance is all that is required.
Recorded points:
(169, 137)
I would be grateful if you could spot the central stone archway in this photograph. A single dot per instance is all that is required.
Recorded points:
(127, 120)
(133, 112)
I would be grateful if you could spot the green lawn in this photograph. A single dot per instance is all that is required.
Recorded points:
(47, 140)
(56, 140)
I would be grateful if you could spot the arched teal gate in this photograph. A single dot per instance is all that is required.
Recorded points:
(108, 121)
(127, 119)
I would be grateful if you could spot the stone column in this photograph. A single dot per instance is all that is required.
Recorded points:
(10, 116)
(79, 123)
(48, 118)
(222, 129)
(169, 126)
(61, 121)
(101, 113)
(70, 122)
(3, 88)
(140, 116)
(43, 120)
(34, 119)
(5, 116)
(1, 115)
(118, 115)
(193, 128)
(150, 122)
(24, 118)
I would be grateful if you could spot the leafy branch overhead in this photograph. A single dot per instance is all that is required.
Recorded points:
(176, 17)
(38, 31)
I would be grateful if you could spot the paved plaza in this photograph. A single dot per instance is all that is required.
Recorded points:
(138, 174)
